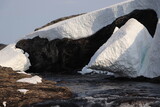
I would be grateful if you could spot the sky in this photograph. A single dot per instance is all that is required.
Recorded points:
(20, 17)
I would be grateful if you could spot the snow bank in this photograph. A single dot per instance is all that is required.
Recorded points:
(151, 67)
(32, 80)
(14, 58)
(123, 54)
(87, 24)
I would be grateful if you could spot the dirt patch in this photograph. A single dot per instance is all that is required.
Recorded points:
(37, 93)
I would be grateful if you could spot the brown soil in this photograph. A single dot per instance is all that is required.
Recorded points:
(37, 93)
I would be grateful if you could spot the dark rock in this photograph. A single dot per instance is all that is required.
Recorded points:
(2, 46)
(58, 20)
(66, 56)
(37, 92)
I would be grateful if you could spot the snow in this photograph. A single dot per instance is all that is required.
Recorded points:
(4, 103)
(24, 73)
(14, 58)
(24, 91)
(32, 80)
(123, 54)
(87, 24)
(116, 29)
(152, 60)
(87, 70)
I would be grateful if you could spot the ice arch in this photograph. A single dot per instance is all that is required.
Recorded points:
(87, 24)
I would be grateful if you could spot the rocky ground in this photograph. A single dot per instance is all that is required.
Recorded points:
(10, 95)
(94, 90)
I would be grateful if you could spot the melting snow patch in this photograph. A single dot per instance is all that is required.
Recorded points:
(4, 103)
(14, 58)
(24, 91)
(32, 80)
(87, 70)
(23, 73)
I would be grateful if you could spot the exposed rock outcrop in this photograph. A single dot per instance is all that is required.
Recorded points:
(10, 95)
(2, 46)
(67, 55)
(57, 20)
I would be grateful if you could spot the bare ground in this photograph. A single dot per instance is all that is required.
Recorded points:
(37, 93)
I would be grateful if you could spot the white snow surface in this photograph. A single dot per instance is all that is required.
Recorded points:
(4, 103)
(24, 91)
(151, 67)
(32, 80)
(87, 70)
(87, 24)
(14, 58)
(123, 53)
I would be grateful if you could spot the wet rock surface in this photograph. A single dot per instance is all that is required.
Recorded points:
(66, 56)
(105, 91)
(11, 97)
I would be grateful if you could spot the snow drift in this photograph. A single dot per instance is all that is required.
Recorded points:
(14, 58)
(124, 52)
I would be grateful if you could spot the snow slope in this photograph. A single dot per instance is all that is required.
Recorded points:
(14, 58)
(87, 24)
(124, 52)
(151, 67)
